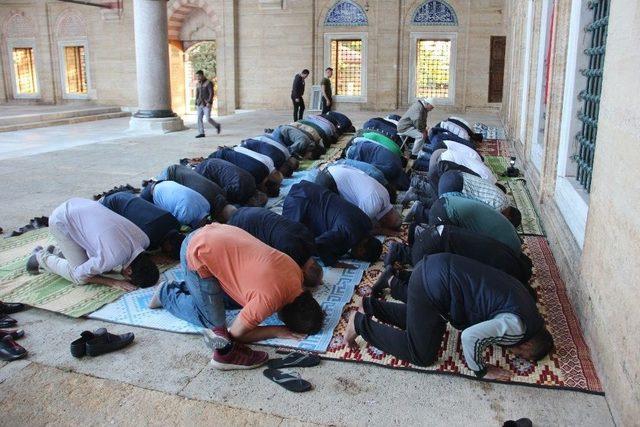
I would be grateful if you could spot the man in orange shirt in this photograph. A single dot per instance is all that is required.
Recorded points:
(221, 259)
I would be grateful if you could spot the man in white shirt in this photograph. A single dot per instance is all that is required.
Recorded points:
(365, 192)
(93, 240)
(467, 157)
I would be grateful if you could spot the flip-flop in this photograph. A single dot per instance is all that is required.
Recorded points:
(295, 360)
(289, 380)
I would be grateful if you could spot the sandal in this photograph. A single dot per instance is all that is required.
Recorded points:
(289, 380)
(295, 359)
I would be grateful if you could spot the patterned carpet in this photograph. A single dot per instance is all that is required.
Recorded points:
(568, 367)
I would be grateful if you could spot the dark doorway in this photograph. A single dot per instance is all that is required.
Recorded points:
(496, 68)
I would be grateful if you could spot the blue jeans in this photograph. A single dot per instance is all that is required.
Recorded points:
(196, 300)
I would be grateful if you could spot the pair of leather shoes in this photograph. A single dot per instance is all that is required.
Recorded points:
(11, 350)
(10, 308)
(99, 342)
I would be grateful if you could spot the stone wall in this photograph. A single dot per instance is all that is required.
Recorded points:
(262, 44)
(598, 268)
(110, 54)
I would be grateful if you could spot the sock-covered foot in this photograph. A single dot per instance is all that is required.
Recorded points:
(415, 208)
(393, 254)
(33, 266)
(382, 282)
(155, 300)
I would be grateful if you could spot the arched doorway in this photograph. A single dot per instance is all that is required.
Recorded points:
(200, 56)
(194, 31)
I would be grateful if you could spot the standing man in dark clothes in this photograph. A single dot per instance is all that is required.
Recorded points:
(327, 93)
(489, 306)
(338, 226)
(289, 237)
(160, 226)
(297, 91)
(204, 101)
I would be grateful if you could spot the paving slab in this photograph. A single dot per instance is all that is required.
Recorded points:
(65, 398)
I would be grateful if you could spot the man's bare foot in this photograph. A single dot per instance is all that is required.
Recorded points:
(360, 305)
(155, 301)
(350, 333)
(497, 373)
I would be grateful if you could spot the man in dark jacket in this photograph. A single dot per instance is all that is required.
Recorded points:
(338, 226)
(489, 306)
(289, 237)
(297, 91)
(237, 182)
(204, 102)
(160, 226)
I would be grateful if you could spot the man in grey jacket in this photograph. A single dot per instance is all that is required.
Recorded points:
(413, 123)
(204, 100)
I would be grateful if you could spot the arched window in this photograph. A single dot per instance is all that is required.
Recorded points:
(346, 13)
(21, 48)
(71, 34)
(434, 12)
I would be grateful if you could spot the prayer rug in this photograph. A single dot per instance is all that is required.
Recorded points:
(493, 147)
(531, 222)
(336, 291)
(498, 165)
(569, 366)
(489, 132)
(47, 291)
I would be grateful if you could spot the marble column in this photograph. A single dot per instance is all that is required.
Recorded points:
(152, 68)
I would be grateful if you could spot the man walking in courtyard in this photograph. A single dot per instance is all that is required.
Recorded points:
(297, 91)
(204, 101)
(325, 84)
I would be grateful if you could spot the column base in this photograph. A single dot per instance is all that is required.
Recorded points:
(159, 125)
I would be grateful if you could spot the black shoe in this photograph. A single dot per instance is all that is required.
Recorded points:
(16, 334)
(10, 308)
(6, 321)
(104, 342)
(218, 127)
(200, 135)
(11, 350)
(268, 130)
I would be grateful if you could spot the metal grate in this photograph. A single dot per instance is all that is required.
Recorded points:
(590, 96)
(346, 61)
(433, 66)
(25, 72)
(75, 68)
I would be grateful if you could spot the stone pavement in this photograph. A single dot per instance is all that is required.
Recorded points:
(165, 378)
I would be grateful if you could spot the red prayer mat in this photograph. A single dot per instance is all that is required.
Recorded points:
(568, 367)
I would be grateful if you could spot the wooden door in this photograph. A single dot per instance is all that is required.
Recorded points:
(496, 68)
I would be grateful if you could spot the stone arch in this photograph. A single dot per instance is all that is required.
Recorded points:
(179, 11)
(70, 25)
(18, 26)
(345, 13)
(433, 13)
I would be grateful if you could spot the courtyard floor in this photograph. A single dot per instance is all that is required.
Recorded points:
(164, 378)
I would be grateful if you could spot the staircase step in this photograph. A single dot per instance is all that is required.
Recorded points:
(56, 115)
(65, 121)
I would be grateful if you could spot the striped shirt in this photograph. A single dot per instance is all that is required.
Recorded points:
(504, 329)
(485, 191)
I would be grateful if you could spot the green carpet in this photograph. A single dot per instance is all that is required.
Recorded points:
(498, 165)
(531, 223)
(49, 291)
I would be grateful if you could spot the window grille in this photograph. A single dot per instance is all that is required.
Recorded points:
(75, 68)
(590, 95)
(433, 67)
(24, 70)
(346, 61)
